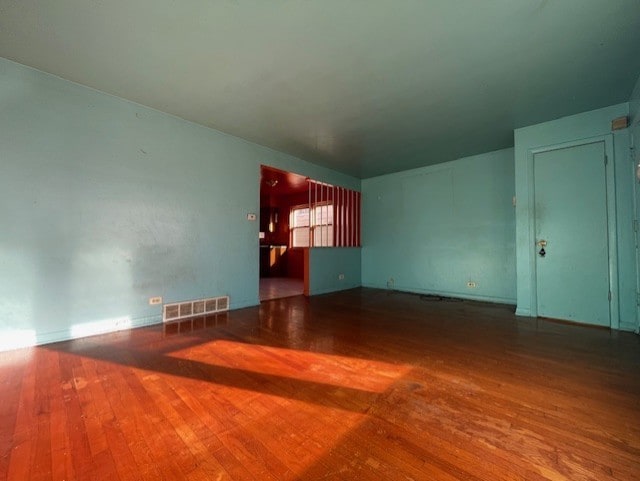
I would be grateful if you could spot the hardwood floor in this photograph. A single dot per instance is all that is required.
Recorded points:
(364, 384)
(278, 287)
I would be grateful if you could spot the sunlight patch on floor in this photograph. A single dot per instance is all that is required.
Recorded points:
(339, 371)
(296, 406)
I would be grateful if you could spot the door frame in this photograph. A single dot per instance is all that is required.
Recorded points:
(635, 161)
(612, 238)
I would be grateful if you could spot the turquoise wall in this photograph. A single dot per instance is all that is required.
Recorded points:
(592, 124)
(434, 229)
(104, 203)
(329, 264)
(634, 139)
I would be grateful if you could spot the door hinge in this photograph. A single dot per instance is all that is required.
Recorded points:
(609, 295)
(606, 160)
(635, 225)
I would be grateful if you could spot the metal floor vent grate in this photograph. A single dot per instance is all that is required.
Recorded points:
(198, 307)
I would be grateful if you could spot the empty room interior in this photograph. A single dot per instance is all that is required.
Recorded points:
(320, 240)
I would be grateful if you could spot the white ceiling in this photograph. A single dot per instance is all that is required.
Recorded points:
(364, 86)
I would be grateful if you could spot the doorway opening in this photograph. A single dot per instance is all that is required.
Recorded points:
(282, 266)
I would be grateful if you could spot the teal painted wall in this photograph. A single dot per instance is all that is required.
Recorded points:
(596, 123)
(634, 140)
(327, 266)
(104, 203)
(434, 229)
(634, 108)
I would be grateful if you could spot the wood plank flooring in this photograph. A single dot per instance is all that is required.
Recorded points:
(278, 287)
(364, 384)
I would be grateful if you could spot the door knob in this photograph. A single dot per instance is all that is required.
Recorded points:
(542, 244)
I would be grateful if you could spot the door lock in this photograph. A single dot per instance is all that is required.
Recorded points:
(542, 244)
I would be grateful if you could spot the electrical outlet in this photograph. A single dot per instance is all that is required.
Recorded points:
(472, 285)
(390, 283)
(122, 323)
(341, 277)
(155, 300)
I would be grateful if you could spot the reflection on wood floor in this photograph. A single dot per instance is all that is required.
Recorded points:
(364, 385)
(278, 287)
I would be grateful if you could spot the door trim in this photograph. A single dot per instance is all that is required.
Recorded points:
(607, 140)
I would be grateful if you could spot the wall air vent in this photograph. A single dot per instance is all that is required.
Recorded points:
(198, 307)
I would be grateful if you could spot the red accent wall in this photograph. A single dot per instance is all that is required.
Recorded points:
(291, 262)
